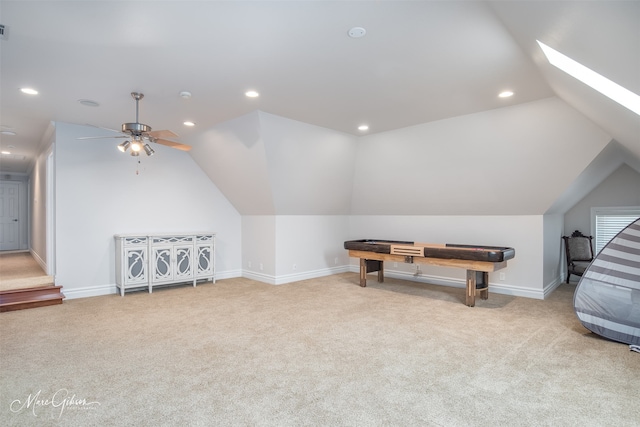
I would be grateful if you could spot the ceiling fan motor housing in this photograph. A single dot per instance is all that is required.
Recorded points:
(135, 128)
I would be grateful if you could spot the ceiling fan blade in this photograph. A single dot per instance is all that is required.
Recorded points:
(162, 134)
(104, 137)
(172, 144)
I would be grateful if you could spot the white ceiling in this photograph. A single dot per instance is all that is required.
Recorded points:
(419, 62)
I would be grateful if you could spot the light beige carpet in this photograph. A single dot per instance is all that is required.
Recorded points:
(19, 270)
(321, 352)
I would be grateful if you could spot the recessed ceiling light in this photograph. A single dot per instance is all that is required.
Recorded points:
(184, 94)
(88, 103)
(252, 94)
(357, 32)
(8, 132)
(5, 152)
(505, 94)
(363, 127)
(188, 123)
(29, 91)
(608, 88)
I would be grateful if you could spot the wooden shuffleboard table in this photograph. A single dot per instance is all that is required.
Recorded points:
(479, 261)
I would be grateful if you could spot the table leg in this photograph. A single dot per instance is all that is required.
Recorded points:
(471, 288)
(370, 266)
(484, 293)
(477, 281)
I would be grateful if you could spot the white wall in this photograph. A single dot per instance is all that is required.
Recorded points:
(38, 194)
(271, 165)
(524, 233)
(554, 265)
(310, 167)
(40, 202)
(279, 249)
(99, 194)
(313, 243)
(509, 161)
(232, 154)
(621, 188)
(258, 247)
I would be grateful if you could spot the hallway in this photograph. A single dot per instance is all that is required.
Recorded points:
(19, 270)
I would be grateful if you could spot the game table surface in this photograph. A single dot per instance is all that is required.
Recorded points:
(433, 250)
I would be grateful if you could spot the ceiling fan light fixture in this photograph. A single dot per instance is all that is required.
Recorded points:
(148, 150)
(136, 146)
(135, 153)
(124, 146)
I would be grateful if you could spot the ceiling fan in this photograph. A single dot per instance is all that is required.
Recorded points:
(140, 135)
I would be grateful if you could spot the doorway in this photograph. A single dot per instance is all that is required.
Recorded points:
(11, 218)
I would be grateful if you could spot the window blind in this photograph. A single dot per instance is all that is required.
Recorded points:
(609, 225)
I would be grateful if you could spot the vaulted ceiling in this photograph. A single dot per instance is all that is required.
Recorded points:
(418, 62)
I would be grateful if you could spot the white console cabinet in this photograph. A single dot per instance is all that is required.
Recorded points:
(145, 261)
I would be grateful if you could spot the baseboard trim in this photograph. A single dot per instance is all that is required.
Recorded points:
(89, 291)
(313, 274)
(550, 287)
(296, 277)
(96, 291)
(498, 288)
(39, 260)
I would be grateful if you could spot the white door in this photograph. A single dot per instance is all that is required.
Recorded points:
(9, 216)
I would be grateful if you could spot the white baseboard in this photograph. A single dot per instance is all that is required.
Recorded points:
(39, 260)
(550, 287)
(498, 288)
(95, 291)
(229, 274)
(296, 277)
(288, 278)
(89, 291)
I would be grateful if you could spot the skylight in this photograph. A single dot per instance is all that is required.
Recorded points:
(619, 94)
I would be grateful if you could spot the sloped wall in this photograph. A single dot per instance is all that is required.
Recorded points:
(513, 161)
(269, 165)
(233, 156)
(310, 167)
(620, 189)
